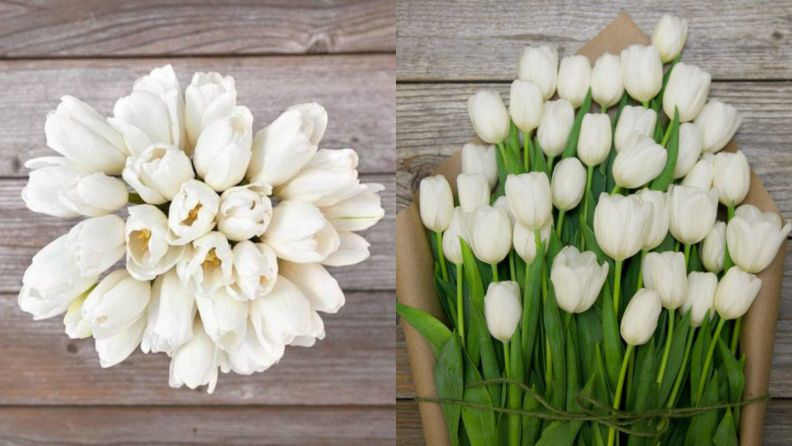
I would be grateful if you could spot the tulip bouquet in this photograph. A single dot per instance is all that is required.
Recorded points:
(226, 237)
(593, 296)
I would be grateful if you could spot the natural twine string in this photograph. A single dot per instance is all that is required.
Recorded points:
(618, 419)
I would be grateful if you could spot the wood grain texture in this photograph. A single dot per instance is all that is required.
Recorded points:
(445, 40)
(89, 28)
(357, 91)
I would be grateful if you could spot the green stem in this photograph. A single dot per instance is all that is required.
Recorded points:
(667, 349)
(527, 151)
(616, 190)
(645, 104)
(681, 374)
(460, 307)
(550, 161)
(512, 267)
(561, 214)
(506, 359)
(494, 272)
(619, 387)
(640, 270)
(549, 368)
(441, 255)
(603, 108)
(708, 360)
(687, 255)
(617, 286)
(630, 378)
(589, 179)
(667, 135)
(736, 335)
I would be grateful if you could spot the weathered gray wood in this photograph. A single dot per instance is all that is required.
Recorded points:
(445, 40)
(357, 91)
(80, 28)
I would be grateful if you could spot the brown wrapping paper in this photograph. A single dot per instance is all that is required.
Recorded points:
(415, 281)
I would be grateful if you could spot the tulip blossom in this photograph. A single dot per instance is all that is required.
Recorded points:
(331, 176)
(209, 96)
(255, 269)
(316, 284)
(115, 304)
(640, 161)
(574, 79)
(621, 225)
(503, 203)
(502, 309)
(577, 279)
(640, 317)
(692, 213)
(224, 318)
(701, 175)
(669, 37)
(158, 172)
(731, 176)
(223, 151)
(192, 212)
(245, 211)
(666, 274)
(352, 249)
(283, 314)
(526, 105)
(687, 90)
(97, 244)
(437, 204)
(490, 234)
(359, 212)
(480, 159)
(713, 248)
(530, 198)
(718, 122)
(735, 293)
(170, 313)
(642, 71)
(553, 133)
(300, 233)
(114, 349)
(489, 116)
(196, 363)
(569, 184)
(207, 264)
(473, 191)
(525, 240)
(607, 86)
(690, 145)
(701, 296)
(452, 247)
(74, 327)
(634, 120)
(255, 354)
(595, 139)
(540, 64)
(148, 253)
(754, 237)
(658, 223)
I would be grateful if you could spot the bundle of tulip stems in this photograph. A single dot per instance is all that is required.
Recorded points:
(593, 297)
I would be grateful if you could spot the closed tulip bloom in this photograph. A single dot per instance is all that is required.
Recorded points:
(473, 191)
(115, 349)
(490, 234)
(115, 304)
(209, 96)
(713, 248)
(658, 224)
(640, 317)
(642, 71)
(639, 162)
(553, 133)
(329, 177)
(283, 314)
(503, 203)
(577, 279)
(669, 37)
(621, 224)
(254, 354)
(74, 327)
(171, 312)
(692, 213)
(358, 212)
(196, 363)
(718, 122)
(224, 318)
(316, 333)
(607, 86)
(666, 274)
(502, 309)
(526, 104)
(245, 211)
(300, 233)
(352, 249)
(158, 173)
(452, 247)
(540, 64)
(255, 270)
(97, 244)
(732, 176)
(208, 264)
(687, 89)
(701, 175)
(480, 159)
(436, 203)
(690, 145)
(701, 296)
(530, 199)
(595, 139)
(282, 148)
(223, 150)
(316, 284)
(574, 79)
(569, 183)
(525, 240)
(735, 293)
(148, 253)
(754, 237)
(634, 120)
(489, 116)
(192, 212)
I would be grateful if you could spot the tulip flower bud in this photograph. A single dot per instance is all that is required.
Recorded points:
(158, 172)
(318, 286)
(666, 274)
(329, 177)
(480, 159)
(245, 211)
(621, 224)
(115, 304)
(732, 176)
(224, 318)
(283, 315)
(701, 175)
(489, 116)
(473, 191)
(526, 104)
(254, 272)
(192, 212)
(713, 248)
(530, 198)
(525, 240)
(170, 315)
(540, 64)
(222, 152)
(436, 203)
(503, 203)
(97, 244)
(718, 122)
(754, 237)
(502, 309)
(574, 79)
(148, 252)
(658, 224)
(452, 248)
(632, 120)
(669, 37)
(299, 233)
(639, 162)
(687, 90)
(577, 279)
(209, 96)
(689, 149)
(595, 139)
(208, 264)
(553, 133)
(490, 234)
(736, 292)
(642, 71)
(115, 349)
(358, 212)
(701, 296)
(607, 86)
(692, 213)
(640, 317)
(569, 183)
(196, 362)
(75, 327)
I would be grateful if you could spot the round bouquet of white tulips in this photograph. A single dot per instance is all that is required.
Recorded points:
(594, 297)
(226, 234)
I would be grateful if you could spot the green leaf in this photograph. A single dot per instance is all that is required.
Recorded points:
(695, 260)
(555, 247)
(531, 425)
(589, 336)
(447, 295)
(475, 287)
(434, 331)
(450, 383)
(538, 161)
(592, 245)
(515, 399)
(698, 354)
(513, 140)
(726, 434)
(479, 424)
(571, 147)
(480, 336)
(572, 365)
(613, 348)
(560, 433)
(531, 307)
(675, 356)
(734, 372)
(666, 177)
(556, 336)
(703, 427)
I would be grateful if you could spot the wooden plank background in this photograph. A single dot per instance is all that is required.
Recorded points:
(448, 50)
(339, 53)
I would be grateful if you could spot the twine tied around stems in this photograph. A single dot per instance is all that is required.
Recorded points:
(617, 419)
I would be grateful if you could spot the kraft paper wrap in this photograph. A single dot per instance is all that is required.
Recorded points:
(415, 281)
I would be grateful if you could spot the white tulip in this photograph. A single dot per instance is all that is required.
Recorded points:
(732, 176)
(530, 198)
(75, 328)
(540, 64)
(595, 140)
(526, 104)
(577, 279)
(223, 150)
(713, 248)
(689, 151)
(607, 87)
(480, 159)
(282, 148)
(171, 312)
(687, 90)
(352, 250)
(754, 237)
(502, 309)
(669, 37)
(254, 354)
(692, 213)
(634, 120)
(569, 183)
(359, 212)
(196, 363)
(437, 204)
(658, 224)
(489, 116)
(642, 71)
(666, 274)
(701, 296)
(503, 203)
(208, 264)
(556, 125)
(736, 292)
(329, 177)
(490, 234)
(115, 304)
(525, 240)
(255, 270)
(97, 244)
(192, 212)
(640, 161)
(148, 252)
(283, 314)
(209, 96)
(224, 318)
(701, 175)
(452, 247)
(574, 79)
(718, 122)
(316, 284)
(158, 172)
(299, 233)
(473, 191)
(316, 332)
(114, 349)
(640, 317)
(83, 136)
(245, 211)
(621, 224)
